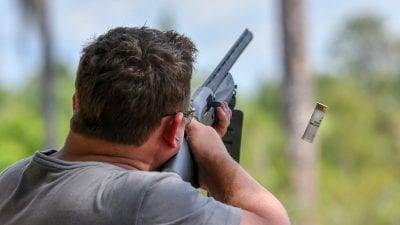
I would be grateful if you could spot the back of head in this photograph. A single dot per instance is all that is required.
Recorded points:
(128, 79)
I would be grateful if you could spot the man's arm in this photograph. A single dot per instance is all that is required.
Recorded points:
(228, 182)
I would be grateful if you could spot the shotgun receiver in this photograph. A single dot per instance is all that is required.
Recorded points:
(219, 87)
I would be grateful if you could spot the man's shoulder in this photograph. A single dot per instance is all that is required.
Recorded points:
(11, 175)
(151, 180)
(16, 168)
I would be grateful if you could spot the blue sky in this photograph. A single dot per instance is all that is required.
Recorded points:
(213, 25)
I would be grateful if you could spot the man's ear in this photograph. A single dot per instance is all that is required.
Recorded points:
(172, 134)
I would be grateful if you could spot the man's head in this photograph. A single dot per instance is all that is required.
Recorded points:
(128, 79)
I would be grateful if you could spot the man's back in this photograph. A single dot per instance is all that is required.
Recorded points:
(44, 190)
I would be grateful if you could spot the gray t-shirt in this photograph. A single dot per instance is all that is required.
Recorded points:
(43, 190)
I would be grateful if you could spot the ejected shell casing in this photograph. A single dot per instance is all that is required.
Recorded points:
(315, 122)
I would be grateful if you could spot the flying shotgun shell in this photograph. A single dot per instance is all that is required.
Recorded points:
(315, 122)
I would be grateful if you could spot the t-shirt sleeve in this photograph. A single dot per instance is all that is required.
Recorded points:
(169, 200)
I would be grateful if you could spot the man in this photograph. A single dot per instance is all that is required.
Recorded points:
(129, 117)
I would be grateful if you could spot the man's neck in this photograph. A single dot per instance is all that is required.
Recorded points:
(78, 147)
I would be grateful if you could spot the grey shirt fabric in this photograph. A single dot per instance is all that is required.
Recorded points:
(43, 190)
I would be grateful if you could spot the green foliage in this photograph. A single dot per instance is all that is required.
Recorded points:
(263, 145)
(360, 152)
(21, 129)
(65, 89)
(365, 48)
(359, 163)
(359, 157)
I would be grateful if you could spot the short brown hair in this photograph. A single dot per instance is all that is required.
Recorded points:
(128, 79)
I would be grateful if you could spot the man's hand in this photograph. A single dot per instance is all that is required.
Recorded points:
(224, 115)
(227, 182)
(204, 141)
(207, 148)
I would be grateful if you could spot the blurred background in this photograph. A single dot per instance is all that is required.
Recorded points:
(343, 53)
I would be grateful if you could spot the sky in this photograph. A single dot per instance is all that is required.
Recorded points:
(213, 25)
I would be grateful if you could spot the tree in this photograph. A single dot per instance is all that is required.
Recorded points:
(364, 48)
(36, 12)
(297, 90)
